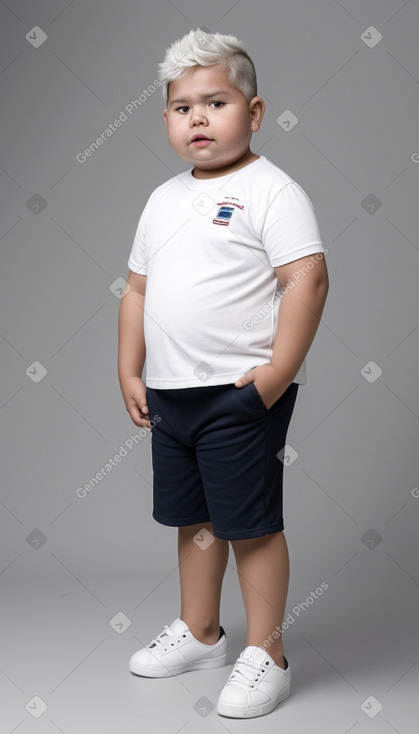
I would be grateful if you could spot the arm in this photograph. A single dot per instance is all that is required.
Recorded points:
(131, 348)
(298, 319)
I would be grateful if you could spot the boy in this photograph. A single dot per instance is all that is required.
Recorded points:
(227, 285)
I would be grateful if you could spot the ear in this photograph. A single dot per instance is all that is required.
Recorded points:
(165, 115)
(256, 112)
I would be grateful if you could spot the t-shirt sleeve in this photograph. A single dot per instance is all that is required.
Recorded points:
(290, 229)
(137, 261)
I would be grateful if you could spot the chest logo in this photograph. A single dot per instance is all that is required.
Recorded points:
(225, 211)
(224, 215)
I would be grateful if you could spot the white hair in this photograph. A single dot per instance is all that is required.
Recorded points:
(198, 48)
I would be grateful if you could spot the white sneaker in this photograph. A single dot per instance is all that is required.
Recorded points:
(255, 686)
(175, 651)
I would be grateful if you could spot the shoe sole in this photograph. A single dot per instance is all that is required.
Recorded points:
(241, 713)
(169, 672)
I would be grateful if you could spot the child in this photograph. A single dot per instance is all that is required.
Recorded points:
(226, 289)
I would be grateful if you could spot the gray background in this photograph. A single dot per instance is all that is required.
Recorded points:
(85, 582)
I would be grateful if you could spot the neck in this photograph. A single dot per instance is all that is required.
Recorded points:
(244, 160)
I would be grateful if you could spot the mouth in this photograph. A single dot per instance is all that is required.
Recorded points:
(200, 139)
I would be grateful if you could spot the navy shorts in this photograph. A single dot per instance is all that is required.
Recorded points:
(214, 458)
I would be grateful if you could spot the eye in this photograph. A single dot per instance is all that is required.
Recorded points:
(218, 102)
(178, 109)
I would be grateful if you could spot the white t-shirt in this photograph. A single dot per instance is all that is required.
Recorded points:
(208, 248)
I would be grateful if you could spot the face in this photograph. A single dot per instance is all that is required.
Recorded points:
(204, 103)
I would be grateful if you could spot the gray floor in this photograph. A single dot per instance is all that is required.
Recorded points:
(59, 645)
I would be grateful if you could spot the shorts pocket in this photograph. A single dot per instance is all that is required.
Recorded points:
(258, 396)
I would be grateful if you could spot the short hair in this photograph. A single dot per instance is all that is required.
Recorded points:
(198, 48)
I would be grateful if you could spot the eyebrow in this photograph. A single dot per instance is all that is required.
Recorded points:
(202, 96)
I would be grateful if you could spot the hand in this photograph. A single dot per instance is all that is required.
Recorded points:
(269, 383)
(133, 391)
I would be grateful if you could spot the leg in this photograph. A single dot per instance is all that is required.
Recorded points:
(201, 576)
(263, 569)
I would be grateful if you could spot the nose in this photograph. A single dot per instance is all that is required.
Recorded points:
(198, 117)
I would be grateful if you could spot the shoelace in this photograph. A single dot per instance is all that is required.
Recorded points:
(163, 638)
(247, 673)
